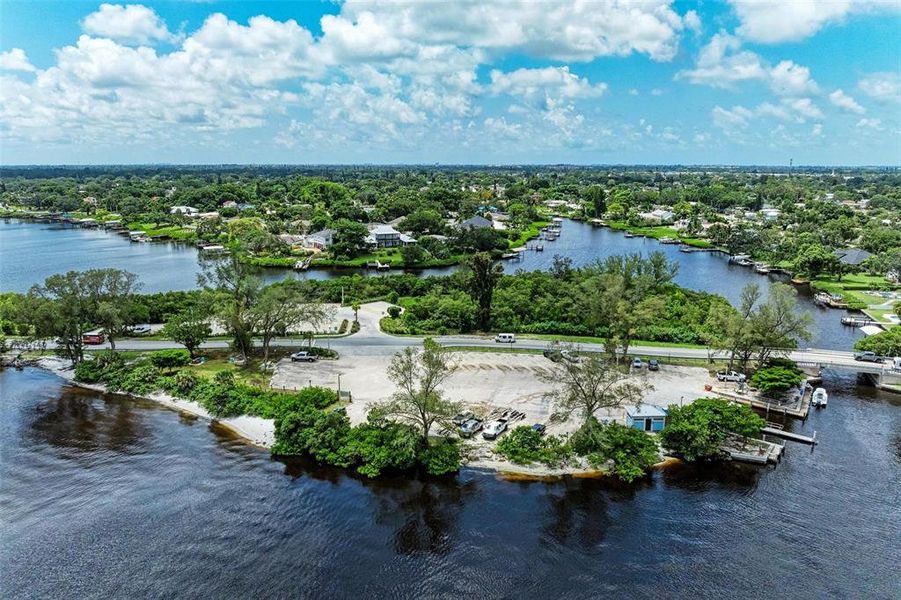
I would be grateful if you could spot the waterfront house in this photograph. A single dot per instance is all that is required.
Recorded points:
(386, 236)
(646, 417)
(476, 222)
(658, 215)
(188, 211)
(321, 239)
(852, 256)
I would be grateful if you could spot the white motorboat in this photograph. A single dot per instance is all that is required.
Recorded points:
(819, 398)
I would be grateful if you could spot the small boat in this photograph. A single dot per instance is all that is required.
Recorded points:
(687, 249)
(762, 268)
(629, 234)
(508, 255)
(558, 220)
(668, 240)
(539, 248)
(302, 265)
(378, 266)
(819, 398)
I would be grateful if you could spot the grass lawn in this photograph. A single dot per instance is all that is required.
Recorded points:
(684, 362)
(532, 231)
(575, 339)
(853, 288)
(881, 315)
(161, 229)
(660, 231)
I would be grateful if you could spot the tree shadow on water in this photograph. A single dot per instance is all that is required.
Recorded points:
(424, 512)
(87, 421)
(579, 509)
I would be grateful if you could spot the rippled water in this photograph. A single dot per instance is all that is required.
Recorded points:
(33, 251)
(104, 496)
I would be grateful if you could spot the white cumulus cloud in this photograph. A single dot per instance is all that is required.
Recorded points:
(131, 23)
(15, 60)
(885, 87)
(846, 102)
(554, 81)
(775, 21)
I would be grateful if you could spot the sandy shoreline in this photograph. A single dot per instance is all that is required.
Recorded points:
(261, 432)
(254, 430)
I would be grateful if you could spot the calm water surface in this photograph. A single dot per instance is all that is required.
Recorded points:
(29, 252)
(104, 496)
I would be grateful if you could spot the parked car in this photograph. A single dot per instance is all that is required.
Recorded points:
(461, 418)
(653, 365)
(505, 338)
(469, 427)
(552, 355)
(494, 429)
(868, 356)
(570, 356)
(93, 337)
(636, 363)
(729, 376)
(303, 357)
(539, 428)
(139, 330)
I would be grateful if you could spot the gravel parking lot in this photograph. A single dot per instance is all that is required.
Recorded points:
(484, 381)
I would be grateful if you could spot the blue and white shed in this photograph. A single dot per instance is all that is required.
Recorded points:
(646, 417)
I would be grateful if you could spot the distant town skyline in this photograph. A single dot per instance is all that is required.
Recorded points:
(654, 82)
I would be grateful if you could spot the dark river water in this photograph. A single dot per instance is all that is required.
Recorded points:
(32, 251)
(104, 496)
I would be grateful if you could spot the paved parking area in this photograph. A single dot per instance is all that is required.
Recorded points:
(483, 381)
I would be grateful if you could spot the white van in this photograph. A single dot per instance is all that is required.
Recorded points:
(505, 338)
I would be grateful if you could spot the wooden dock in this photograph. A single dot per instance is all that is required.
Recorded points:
(799, 410)
(788, 435)
(760, 452)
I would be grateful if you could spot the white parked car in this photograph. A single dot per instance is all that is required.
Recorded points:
(730, 376)
(494, 429)
(505, 338)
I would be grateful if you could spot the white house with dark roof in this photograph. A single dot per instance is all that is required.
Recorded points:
(386, 236)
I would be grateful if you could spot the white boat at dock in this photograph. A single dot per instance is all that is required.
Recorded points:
(669, 240)
(819, 398)
(762, 268)
(742, 260)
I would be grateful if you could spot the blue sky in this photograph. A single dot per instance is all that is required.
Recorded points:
(650, 81)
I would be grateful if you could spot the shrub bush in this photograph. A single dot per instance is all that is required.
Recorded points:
(170, 359)
(322, 352)
(394, 311)
(89, 371)
(697, 430)
(375, 448)
(524, 446)
(322, 435)
(770, 380)
(632, 451)
(441, 458)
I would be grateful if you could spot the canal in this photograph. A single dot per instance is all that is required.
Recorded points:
(33, 251)
(104, 496)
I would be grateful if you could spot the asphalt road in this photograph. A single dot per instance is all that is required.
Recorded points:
(374, 342)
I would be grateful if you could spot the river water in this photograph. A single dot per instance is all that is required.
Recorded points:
(29, 252)
(104, 496)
